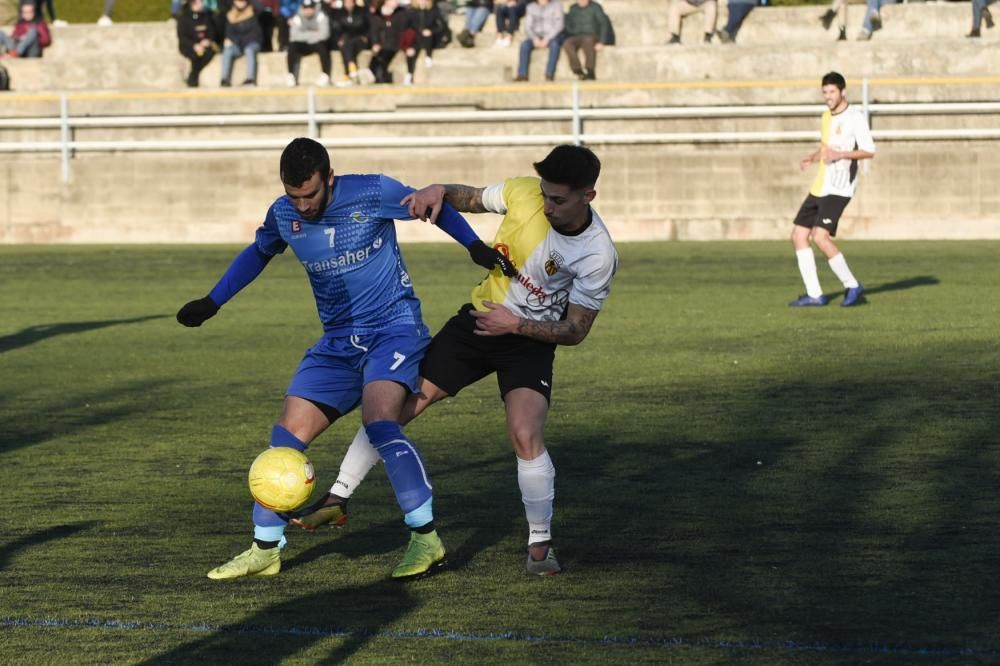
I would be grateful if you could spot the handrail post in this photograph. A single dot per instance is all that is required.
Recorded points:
(313, 125)
(866, 109)
(577, 122)
(64, 133)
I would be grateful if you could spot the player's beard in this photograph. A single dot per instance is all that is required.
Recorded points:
(325, 199)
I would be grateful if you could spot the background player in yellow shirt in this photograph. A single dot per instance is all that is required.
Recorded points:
(844, 139)
(564, 260)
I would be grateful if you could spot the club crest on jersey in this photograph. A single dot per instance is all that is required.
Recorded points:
(359, 217)
(554, 263)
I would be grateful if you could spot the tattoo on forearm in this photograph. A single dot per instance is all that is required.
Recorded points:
(465, 199)
(566, 332)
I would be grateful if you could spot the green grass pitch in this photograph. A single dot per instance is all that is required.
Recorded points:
(737, 481)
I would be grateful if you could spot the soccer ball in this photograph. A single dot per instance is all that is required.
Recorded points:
(281, 479)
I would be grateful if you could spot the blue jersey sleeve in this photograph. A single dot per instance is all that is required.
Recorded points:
(449, 220)
(244, 269)
(269, 240)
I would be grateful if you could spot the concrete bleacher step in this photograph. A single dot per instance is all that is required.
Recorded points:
(775, 42)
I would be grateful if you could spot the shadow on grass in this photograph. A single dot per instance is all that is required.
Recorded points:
(353, 613)
(32, 334)
(900, 285)
(43, 536)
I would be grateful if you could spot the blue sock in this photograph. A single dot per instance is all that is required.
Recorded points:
(422, 515)
(404, 467)
(270, 524)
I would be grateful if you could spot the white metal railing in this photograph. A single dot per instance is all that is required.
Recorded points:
(576, 115)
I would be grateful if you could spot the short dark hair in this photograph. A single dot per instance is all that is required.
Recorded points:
(301, 159)
(575, 166)
(834, 79)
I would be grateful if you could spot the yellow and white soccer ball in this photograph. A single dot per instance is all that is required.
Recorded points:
(281, 479)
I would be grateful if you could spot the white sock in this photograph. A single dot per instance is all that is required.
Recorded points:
(839, 266)
(361, 456)
(537, 480)
(807, 267)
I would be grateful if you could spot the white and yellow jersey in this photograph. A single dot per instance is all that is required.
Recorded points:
(554, 269)
(845, 131)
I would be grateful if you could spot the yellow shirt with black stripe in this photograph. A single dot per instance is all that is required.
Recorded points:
(554, 269)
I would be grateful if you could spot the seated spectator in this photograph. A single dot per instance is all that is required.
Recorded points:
(243, 38)
(587, 28)
(508, 18)
(350, 28)
(28, 38)
(543, 27)
(681, 8)
(980, 13)
(837, 10)
(873, 18)
(105, 20)
(387, 39)
(196, 37)
(476, 13)
(308, 33)
(267, 19)
(429, 27)
(738, 12)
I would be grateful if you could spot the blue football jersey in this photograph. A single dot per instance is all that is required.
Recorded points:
(351, 254)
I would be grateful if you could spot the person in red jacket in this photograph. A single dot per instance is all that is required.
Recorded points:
(29, 37)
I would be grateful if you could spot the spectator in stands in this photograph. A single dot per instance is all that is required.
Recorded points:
(105, 20)
(508, 18)
(587, 28)
(681, 8)
(738, 12)
(270, 9)
(29, 37)
(288, 10)
(388, 36)
(873, 18)
(543, 27)
(980, 13)
(429, 26)
(350, 27)
(308, 32)
(243, 38)
(196, 37)
(476, 13)
(175, 8)
(838, 12)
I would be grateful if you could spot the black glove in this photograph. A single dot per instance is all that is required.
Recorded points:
(196, 312)
(489, 258)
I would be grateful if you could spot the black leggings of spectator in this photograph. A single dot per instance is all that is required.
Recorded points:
(198, 63)
(380, 65)
(298, 49)
(266, 20)
(48, 5)
(351, 47)
(282, 24)
(423, 43)
(586, 42)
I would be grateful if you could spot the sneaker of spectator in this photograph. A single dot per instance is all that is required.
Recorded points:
(587, 28)
(109, 8)
(681, 8)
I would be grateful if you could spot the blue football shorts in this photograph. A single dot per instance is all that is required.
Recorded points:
(335, 369)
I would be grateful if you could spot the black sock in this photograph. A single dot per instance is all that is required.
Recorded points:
(266, 545)
(425, 529)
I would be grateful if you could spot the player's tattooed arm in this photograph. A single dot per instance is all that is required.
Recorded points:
(569, 331)
(465, 199)
(498, 320)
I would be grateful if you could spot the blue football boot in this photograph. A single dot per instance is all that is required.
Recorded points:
(807, 301)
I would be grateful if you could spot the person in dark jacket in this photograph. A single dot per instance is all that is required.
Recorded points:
(196, 37)
(270, 10)
(388, 38)
(587, 28)
(243, 38)
(350, 27)
(429, 25)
